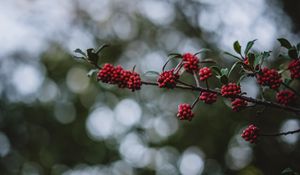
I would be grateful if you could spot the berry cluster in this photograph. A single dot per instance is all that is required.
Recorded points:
(251, 133)
(190, 62)
(230, 89)
(117, 75)
(269, 77)
(294, 67)
(185, 112)
(285, 97)
(238, 104)
(205, 73)
(208, 97)
(167, 79)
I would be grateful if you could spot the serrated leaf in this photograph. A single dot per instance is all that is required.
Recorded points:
(91, 72)
(216, 70)
(236, 57)
(151, 73)
(224, 71)
(249, 46)
(293, 53)
(78, 58)
(233, 66)
(284, 43)
(80, 52)
(237, 47)
(224, 79)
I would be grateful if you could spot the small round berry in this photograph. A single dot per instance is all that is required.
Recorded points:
(238, 104)
(269, 77)
(294, 67)
(167, 79)
(105, 73)
(208, 97)
(124, 78)
(190, 62)
(230, 89)
(246, 61)
(285, 97)
(185, 112)
(205, 73)
(251, 133)
(116, 75)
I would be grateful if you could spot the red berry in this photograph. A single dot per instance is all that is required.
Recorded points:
(294, 67)
(251, 133)
(105, 73)
(246, 61)
(208, 97)
(185, 112)
(230, 89)
(285, 97)
(205, 73)
(238, 104)
(190, 62)
(116, 75)
(269, 77)
(167, 79)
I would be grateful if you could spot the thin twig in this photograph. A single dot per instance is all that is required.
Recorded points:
(281, 133)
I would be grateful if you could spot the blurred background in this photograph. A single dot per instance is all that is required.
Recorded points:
(54, 119)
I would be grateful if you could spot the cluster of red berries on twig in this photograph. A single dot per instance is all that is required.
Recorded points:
(205, 73)
(230, 89)
(294, 67)
(185, 112)
(208, 97)
(167, 79)
(269, 77)
(190, 62)
(285, 97)
(251, 133)
(238, 104)
(117, 75)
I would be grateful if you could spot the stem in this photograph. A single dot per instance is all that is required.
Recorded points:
(196, 79)
(249, 99)
(281, 133)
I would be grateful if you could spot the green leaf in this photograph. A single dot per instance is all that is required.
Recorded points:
(91, 72)
(249, 46)
(80, 52)
(176, 55)
(216, 70)
(202, 51)
(92, 56)
(288, 171)
(298, 46)
(293, 53)
(208, 60)
(287, 81)
(284, 43)
(241, 78)
(168, 60)
(237, 47)
(101, 48)
(224, 79)
(251, 58)
(233, 66)
(149, 73)
(227, 53)
(224, 71)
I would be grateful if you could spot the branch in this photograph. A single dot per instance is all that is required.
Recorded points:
(281, 133)
(249, 99)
